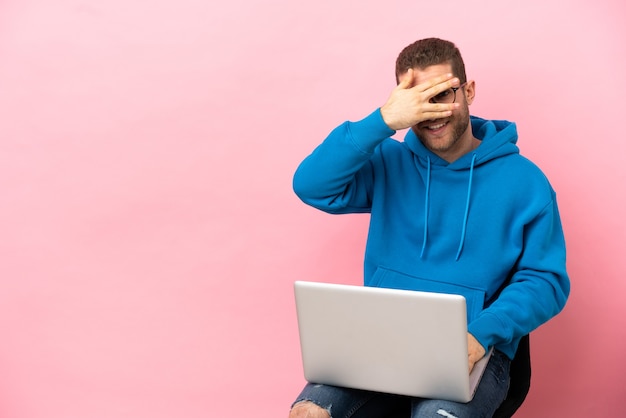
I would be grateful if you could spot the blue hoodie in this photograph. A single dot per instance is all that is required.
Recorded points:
(485, 226)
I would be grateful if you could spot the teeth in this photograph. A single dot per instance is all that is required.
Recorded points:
(433, 127)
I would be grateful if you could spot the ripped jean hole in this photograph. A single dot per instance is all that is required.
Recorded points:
(310, 402)
(445, 414)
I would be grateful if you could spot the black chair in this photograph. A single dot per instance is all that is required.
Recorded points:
(520, 382)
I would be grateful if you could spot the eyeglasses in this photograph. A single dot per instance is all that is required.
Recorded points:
(446, 96)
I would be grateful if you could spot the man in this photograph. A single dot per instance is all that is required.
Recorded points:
(454, 208)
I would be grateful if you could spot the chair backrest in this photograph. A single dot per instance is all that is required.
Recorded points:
(520, 381)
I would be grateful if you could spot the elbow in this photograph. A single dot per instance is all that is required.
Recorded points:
(303, 188)
(313, 194)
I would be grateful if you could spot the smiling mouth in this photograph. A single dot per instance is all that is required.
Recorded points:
(435, 126)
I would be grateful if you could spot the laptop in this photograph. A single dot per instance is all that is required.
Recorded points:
(386, 340)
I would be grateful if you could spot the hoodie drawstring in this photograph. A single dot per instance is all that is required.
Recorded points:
(426, 208)
(465, 216)
(467, 204)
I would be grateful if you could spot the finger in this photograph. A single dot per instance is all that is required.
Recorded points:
(440, 107)
(438, 84)
(433, 111)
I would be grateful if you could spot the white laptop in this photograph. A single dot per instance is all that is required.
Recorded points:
(386, 340)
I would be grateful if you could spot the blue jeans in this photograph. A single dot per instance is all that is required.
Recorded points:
(354, 403)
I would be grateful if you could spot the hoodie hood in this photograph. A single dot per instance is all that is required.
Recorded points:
(498, 139)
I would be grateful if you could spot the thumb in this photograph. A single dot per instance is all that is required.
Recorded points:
(407, 80)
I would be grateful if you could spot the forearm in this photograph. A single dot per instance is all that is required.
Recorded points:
(538, 288)
(336, 176)
(524, 305)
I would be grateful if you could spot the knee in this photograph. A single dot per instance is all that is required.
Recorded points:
(306, 409)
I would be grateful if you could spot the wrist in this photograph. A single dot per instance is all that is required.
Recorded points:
(370, 131)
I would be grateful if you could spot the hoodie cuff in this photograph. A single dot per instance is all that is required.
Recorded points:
(486, 328)
(370, 131)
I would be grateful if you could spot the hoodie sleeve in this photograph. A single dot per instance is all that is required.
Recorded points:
(337, 177)
(538, 288)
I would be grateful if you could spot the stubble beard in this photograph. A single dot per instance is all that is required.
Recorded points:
(459, 124)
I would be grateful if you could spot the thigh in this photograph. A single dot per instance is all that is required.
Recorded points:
(353, 403)
(490, 393)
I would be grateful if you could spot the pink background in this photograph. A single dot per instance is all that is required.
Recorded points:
(149, 234)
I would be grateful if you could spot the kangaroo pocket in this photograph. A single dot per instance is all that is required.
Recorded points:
(474, 298)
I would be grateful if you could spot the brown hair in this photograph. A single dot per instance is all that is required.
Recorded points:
(431, 51)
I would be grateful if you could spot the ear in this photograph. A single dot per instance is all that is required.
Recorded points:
(470, 91)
